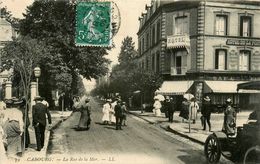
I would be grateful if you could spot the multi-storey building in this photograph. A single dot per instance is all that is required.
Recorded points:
(202, 47)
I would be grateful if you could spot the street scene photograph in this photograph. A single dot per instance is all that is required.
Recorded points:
(129, 81)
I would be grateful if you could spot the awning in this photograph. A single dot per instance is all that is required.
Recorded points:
(225, 87)
(174, 87)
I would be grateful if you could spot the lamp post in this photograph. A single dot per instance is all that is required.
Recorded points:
(37, 74)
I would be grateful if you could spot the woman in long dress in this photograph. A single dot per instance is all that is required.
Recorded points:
(229, 124)
(13, 128)
(85, 119)
(106, 109)
(193, 108)
(3, 157)
(157, 107)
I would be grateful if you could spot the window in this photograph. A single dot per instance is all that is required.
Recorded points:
(143, 48)
(147, 41)
(139, 47)
(221, 59)
(153, 62)
(244, 60)
(158, 36)
(153, 35)
(181, 61)
(245, 26)
(157, 62)
(221, 25)
(181, 25)
(147, 64)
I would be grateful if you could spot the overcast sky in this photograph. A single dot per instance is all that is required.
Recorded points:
(130, 10)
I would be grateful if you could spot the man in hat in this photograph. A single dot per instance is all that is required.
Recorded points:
(169, 108)
(229, 124)
(206, 112)
(118, 115)
(39, 112)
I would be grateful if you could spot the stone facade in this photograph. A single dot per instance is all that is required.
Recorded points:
(202, 41)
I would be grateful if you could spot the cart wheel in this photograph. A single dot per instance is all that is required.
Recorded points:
(212, 149)
(252, 155)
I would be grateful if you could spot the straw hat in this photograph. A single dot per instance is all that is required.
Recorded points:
(229, 101)
(207, 98)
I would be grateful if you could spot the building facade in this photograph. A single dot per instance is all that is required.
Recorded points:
(202, 47)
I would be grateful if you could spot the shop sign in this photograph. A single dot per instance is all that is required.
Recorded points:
(178, 41)
(243, 42)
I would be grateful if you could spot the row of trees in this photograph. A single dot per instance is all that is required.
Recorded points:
(127, 78)
(46, 39)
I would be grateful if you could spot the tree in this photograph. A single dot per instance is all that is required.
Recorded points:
(23, 55)
(128, 52)
(53, 22)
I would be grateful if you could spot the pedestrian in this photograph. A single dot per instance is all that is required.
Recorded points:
(124, 113)
(118, 115)
(39, 112)
(229, 124)
(165, 108)
(184, 113)
(24, 109)
(2, 105)
(206, 112)
(169, 108)
(157, 107)
(112, 118)
(44, 102)
(3, 141)
(85, 119)
(13, 128)
(106, 109)
(193, 109)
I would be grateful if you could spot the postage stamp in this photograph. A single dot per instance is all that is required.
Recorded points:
(93, 24)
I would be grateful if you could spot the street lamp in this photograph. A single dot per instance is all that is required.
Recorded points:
(37, 74)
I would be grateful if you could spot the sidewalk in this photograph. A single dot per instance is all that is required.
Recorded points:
(197, 134)
(57, 118)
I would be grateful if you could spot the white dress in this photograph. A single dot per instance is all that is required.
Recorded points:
(112, 113)
(193, 108)
(157, 108)
(106, 109)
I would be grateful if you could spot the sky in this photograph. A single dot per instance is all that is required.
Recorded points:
(129, 10)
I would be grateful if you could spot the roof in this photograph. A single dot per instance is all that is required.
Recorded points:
(4, 22)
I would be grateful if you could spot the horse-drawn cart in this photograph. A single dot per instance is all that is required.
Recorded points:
(244, 146)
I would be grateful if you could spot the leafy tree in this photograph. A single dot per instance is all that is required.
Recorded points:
(128, 52)
(53, 22)
(22, 55)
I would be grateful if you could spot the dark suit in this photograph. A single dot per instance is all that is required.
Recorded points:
(39, 112)
(169, 108)
(119, 116)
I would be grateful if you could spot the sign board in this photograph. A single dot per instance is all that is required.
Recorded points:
(243, 42)
(178, 41)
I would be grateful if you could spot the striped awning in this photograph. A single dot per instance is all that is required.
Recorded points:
(174, 87)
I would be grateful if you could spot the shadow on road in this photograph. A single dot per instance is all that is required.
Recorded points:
(192, 156)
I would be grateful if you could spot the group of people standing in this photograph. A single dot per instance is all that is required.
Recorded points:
(14, 123)
(114, 113)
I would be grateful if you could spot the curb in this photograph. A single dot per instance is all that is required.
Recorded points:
(185, 136)
(48, 135)
(169, 129)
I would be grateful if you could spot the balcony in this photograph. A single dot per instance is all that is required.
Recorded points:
(178, 41)
(178, 70)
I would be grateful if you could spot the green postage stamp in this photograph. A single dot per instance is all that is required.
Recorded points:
(93, 24)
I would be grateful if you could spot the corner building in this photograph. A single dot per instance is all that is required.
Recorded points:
(202, 47)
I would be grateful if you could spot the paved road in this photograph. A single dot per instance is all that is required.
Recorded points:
(139, 142)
